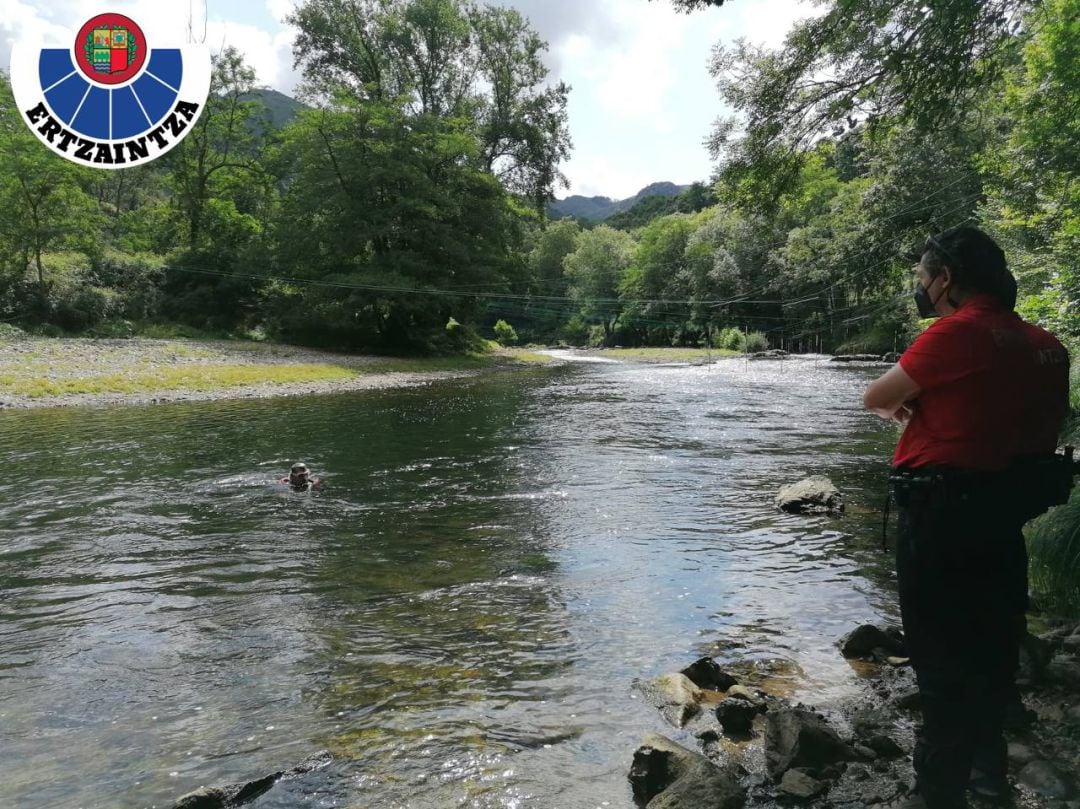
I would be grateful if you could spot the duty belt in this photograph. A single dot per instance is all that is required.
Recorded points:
(1026, 489)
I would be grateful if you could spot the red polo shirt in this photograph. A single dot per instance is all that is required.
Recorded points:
(993, 388)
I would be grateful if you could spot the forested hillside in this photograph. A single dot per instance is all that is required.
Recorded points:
(597, 209)
(405, 204)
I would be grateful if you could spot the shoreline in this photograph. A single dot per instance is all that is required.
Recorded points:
(87, 372)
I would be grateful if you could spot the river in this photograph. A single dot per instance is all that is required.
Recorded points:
(459, 615)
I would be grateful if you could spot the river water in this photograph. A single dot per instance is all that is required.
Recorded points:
(459, 615)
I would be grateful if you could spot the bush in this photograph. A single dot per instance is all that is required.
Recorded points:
(505, 334)
(575, 332)
(113, 330)
(730, 339)
(754, 342)
(1054, 546)
(9, 331)
(83, 307)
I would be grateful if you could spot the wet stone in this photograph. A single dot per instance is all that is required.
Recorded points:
(736, 716)
(884, 746)
(799, 785)
(814, 495)
(798, 738)
(908, 700)
(706, 673)
(868, 639)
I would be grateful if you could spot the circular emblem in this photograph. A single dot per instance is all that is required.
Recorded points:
(109, 98)
(110, 49)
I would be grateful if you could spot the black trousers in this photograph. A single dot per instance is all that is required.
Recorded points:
(962, 574)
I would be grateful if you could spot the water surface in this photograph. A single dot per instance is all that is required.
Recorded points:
(459, 616)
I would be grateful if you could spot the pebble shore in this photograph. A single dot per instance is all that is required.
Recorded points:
(76, 358)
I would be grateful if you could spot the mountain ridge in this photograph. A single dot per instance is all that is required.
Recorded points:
(597, 209)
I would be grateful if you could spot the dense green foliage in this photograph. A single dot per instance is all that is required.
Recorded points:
(412, 191)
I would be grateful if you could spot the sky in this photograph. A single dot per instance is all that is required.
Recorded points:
(642, 101)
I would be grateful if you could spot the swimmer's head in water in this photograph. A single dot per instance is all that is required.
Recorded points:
(299, 475)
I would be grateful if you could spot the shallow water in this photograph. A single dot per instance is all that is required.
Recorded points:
(459, 616)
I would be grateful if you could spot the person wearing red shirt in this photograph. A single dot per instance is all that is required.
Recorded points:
(980, 393)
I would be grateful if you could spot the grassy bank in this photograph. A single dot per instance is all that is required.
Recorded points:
(38, 369)
(667, 354)
(154, 380)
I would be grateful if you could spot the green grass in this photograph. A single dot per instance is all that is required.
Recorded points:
(669, 354)
(195, 378)
(465, 362)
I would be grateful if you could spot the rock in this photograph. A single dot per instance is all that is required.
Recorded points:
(1071, 644)
(865, 753)
(744, 693)
(678, 699)
(858, 772)
(736, 716)
(1020, 754)
(1073, 713)
(801, 786)
(884, 746)
(1064, 671)
(204, 798)
(856, 358)
(667, 776)
(908, 700)
(892, 356)
(231, 795)
(1035, 654)
(862, 641)
(706, 673)
(814, 495)
(798, 738)
(1045, 779)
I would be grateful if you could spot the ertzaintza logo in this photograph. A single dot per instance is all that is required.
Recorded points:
(115, 98)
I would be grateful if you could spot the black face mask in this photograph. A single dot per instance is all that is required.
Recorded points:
(923, 302)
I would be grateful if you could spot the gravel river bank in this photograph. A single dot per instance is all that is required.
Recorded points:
(50, 372)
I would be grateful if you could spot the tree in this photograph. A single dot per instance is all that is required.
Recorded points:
(219, 159)
(43, 198)
(448, 59)
(390, 216)
(655, 285)
(860, 61)
(553, 245)
(1034, 197)
(596, 270)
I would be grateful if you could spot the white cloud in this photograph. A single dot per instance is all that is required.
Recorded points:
(269, 54)
(599, 176)
(280, 9)
(642, 100)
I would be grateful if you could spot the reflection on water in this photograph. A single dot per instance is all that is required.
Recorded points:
(459, 616)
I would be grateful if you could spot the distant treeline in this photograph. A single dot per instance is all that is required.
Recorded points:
(410, 194)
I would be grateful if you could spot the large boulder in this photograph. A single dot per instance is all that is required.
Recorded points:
(798, 738)
(706, 673)
(868, 639)
(665, 775)
(814, 495)
(677, 698)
